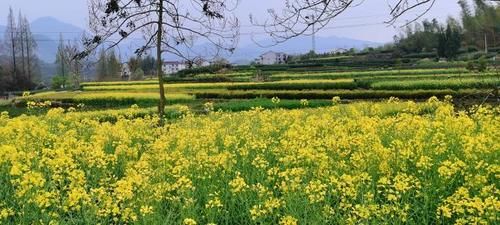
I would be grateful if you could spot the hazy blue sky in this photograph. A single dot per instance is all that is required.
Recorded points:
(354, 23)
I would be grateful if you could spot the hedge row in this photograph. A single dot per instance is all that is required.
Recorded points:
(344, 94)
(296, 86)
(329, 75)
(454, 84)
(107, 99)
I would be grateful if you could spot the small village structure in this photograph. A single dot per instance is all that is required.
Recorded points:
(125, 71)
(271, 58)
(171, 67)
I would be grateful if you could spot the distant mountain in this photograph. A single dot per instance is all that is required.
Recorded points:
(48, 29)
(245, 54)
(52, 28)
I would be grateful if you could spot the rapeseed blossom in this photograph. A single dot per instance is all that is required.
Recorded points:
(393, 162)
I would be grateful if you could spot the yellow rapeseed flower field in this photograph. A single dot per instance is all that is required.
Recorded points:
(363, 163)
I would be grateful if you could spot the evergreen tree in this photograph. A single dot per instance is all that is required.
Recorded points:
(134, 64)
(114, 66)
(148, 65)
(450, 40)
(102, 66)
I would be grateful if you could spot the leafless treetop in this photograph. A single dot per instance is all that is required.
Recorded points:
(298, 16)
(184, 23)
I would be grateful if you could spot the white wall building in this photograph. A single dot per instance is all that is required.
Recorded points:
(171, 67)
(125, 71)
(270, 58)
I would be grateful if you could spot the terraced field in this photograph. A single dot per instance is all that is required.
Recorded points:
(415, 84)
(285, 151)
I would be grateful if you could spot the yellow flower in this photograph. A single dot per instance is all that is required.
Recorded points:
(288, 220)
(304, 102)
(336, 100)
(146, 210)
(238, 184)
(275, 100)
(189, 221)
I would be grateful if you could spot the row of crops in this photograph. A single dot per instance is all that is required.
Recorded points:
(380, 84)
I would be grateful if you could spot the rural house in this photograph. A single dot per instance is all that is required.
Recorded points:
(125, 71)
(171, 67)
(270, 58)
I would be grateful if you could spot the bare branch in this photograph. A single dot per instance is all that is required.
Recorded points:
(299, 16)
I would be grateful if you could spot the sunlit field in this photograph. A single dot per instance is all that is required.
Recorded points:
(395, 162)
(229, 112)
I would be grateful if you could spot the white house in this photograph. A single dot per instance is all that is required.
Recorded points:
(125, 71)
(270, 58)
(171, 67)
(339, 51)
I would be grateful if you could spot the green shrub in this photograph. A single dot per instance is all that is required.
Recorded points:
(454, 84)
(344, 94)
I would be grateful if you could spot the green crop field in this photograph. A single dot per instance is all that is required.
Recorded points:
(238, 92)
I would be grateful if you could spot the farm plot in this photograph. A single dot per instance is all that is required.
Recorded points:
(373, 163)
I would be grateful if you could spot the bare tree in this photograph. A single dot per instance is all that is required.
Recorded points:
(169, 26)
(72, 66)
(10, 40)
(20, 36)
(299, 16)
(31, 46)
(62, 59)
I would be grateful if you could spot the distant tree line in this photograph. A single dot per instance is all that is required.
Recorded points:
(476, 30)
(145, 66)
(108, 67)
(19, 64)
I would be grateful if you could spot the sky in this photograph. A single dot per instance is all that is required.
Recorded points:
(364, 22)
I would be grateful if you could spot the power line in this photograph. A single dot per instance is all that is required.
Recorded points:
(241, 34)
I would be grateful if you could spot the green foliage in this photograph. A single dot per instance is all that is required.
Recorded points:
(60, 82)
(212, 69)
(454, 84)
(344, 94)
(138, 74)
(108, 66)
(480, 21)
(449, 40)
(148, 65)
(319, 85)
(107, 99)
(261, 76)
(479, 65)
(242, 105)
(135, 63)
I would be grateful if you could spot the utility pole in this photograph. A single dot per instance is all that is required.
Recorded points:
(485, 43)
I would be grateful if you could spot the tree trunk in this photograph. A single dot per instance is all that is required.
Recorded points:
(159, 62)
(13, 42)
(21, 39)
(63, 69)
(28, 43)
